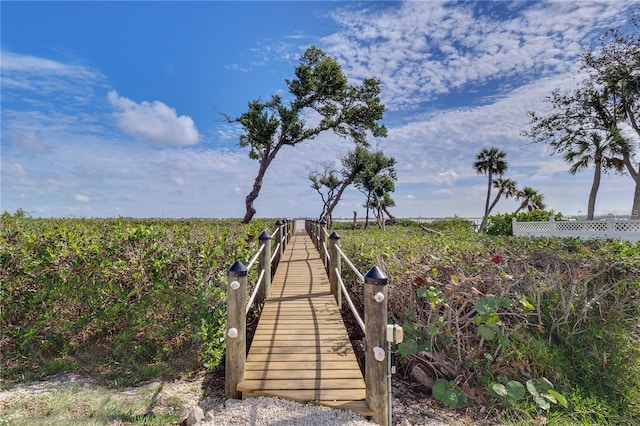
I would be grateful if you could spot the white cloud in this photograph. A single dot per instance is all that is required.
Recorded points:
(43, 76)
(82, 198)
(448, 177)
(12, 169)
(421, 50)
(154, 122)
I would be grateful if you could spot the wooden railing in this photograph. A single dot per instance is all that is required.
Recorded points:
(268, 258)
(378, 334)
(626, 229)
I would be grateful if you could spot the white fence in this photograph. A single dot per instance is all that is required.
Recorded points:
(624, 229)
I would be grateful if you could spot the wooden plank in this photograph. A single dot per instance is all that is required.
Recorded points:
(298, 349)
(317, 395)
(292, 320)
(359, 407)
(325, 323)
(333, 343)
(302, 374)
(300, 384)
(278, 357)
(299, 331)
(307, 365)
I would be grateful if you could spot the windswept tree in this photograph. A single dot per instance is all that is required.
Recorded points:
(380, 205)
(319, 92)
(490, 161)
(376, 180)
(597, 152)
(356, 164)
(325, 180)
(606, 103)
(530, 199)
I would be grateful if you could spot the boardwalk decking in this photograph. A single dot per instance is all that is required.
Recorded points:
(301, 350)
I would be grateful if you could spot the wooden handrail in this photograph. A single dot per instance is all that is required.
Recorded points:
(238, 307)
(374, 326)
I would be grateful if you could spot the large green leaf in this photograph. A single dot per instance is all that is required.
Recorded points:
(486, 332)
(498, 389)
(450, 398)
(440, 387)
(559, 397)
(538, 386)
(515, 389)
(542, 403)
(408, 348)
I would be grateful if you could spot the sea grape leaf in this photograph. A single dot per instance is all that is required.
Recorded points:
(440, 387)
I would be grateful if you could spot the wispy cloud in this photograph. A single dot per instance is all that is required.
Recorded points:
(42, 74)
(154, 122)
(425, 49)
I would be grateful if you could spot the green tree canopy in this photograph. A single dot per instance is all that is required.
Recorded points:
(321, 92)
(605, 105)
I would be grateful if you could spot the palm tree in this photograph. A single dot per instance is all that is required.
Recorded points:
(506, 187)
(597, 152)
(492, 162)
(531, 199)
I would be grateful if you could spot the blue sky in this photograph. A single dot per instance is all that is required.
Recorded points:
(113, 108)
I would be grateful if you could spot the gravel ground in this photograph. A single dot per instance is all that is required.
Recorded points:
(275, 412)
(411, 407)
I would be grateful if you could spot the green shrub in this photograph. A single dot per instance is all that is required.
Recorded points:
(122, 298)
(501, 224)
(484, 312)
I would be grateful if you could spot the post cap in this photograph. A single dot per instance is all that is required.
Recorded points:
(237, 270)
(279, 223)
(323, 222)
(375, 276)
(334, 236)
(264, 236)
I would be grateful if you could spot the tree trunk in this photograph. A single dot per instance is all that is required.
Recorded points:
(257, 186)
(635, 210)
(594, 190)
(486, 205)
(335, 201)
(366, 219)
(635, 175)
(392, 218)
(486, 216)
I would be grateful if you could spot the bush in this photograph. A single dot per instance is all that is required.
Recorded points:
(124, 299)
(484, 313)
(501, 224)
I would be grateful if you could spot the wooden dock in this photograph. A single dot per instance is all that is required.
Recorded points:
(301, 350)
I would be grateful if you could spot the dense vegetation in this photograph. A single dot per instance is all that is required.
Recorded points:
(121, 299)
(520, 326)
(486, 317)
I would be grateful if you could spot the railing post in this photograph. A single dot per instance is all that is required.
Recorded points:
(334, 263)
(322, 242)
(610, 227)
(375, 320)
(236, 335)
(265, 264)
(280, 235)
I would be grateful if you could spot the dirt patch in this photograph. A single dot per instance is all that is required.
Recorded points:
(72, 398)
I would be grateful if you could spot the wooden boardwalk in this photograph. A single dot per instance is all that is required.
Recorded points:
(301, 350)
